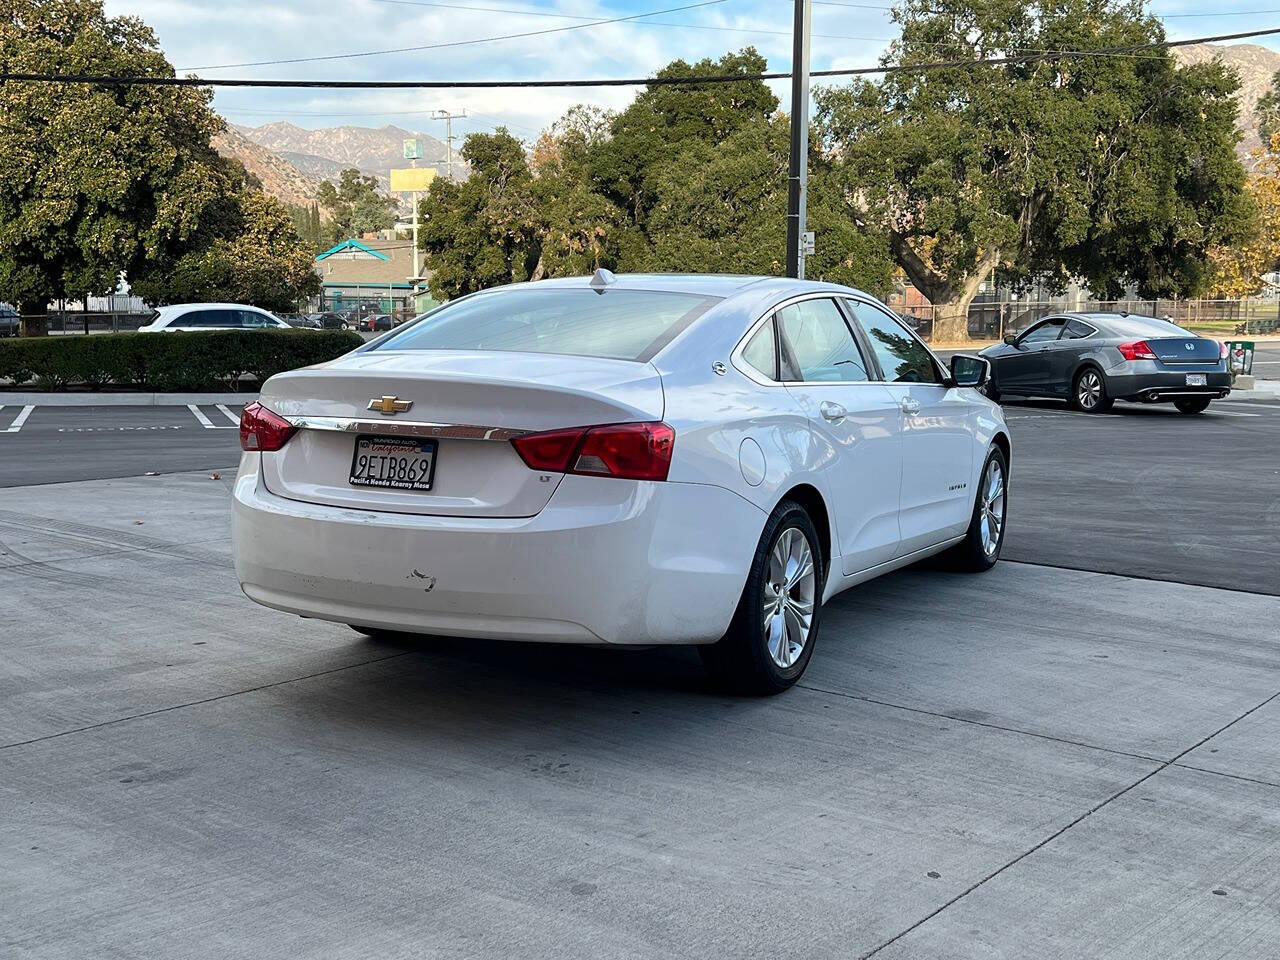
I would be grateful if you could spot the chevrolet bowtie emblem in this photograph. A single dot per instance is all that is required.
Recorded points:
(389, 406)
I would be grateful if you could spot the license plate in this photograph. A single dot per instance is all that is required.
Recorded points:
(1197, 380)
(402, 463)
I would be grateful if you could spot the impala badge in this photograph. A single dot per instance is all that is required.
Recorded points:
(389, 406)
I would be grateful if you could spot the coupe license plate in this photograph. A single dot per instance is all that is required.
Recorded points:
(1197, 380)
(402, 463)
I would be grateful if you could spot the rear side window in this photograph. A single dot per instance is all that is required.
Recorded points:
(618, 324)
(817, 344)
(760, 352)
(1077, 330)
(208, 318)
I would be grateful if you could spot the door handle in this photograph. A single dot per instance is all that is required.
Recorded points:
(910, 407)
(832, 411)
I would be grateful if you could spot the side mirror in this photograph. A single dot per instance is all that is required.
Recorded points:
(1010, 339)
(968, 370)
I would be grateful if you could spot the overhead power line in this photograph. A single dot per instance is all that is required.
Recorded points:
(669, 81)
(459, 43)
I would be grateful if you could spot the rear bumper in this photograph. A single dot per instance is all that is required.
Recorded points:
(1158, 387)
(610, 561)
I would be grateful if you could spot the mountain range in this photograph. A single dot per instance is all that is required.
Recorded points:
(291, 161)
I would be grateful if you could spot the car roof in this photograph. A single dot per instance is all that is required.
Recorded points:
(708, 284)
(1129, 322)
(175, 308)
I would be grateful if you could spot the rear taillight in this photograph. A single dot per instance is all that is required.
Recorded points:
(1222, 350)
(1136, 350)
(629, 451)
(260, 429)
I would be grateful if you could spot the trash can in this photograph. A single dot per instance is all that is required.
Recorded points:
(1240, 357)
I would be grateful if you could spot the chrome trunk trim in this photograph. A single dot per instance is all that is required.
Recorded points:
(407, 428)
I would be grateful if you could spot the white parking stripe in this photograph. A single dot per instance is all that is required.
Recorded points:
(204, 421)
(21, 419)
(229, 415)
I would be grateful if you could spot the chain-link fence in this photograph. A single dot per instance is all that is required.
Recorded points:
(991, 320)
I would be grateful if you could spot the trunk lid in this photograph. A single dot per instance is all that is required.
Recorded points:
(1185, 349)
(468, 402)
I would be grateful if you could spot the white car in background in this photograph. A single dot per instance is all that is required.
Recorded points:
(633, 460)
(212, 316)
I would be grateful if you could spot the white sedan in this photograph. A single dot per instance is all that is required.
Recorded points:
(628, 460)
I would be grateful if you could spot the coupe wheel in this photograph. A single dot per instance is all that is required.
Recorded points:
(981, 546)
(1089, 392)
(771, 637)
(1192, 405)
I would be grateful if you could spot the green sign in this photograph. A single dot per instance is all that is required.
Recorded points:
(413, 149)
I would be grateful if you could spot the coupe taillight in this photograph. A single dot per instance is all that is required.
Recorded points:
(628, 451)
(260, 429)
(1222, 350)
(1136, 350)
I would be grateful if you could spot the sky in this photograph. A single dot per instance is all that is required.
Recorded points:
(203, 36)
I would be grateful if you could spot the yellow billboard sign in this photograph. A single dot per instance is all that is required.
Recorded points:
(412, 179)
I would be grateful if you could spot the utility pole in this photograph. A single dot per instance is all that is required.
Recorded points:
(417, 271)
(798, 241)
(448, 119)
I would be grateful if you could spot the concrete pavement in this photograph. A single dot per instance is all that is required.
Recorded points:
(1028, 763)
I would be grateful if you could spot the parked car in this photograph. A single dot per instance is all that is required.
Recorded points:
(632, 460)
(1094, 359)
(328, 320)
(378, 321)
(212, 316)
(10, 323)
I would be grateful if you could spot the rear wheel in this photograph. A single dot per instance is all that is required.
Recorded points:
(1089, 391)
(1192, 405)
(771, 637)
(981, 546)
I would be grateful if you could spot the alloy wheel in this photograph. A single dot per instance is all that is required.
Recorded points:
(788, 597)
(992, 507)
(1089, 389)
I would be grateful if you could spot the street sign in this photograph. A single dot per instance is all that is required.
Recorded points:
(412, 179)
(413, 149)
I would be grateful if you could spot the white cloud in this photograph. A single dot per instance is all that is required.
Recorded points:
(200, 33)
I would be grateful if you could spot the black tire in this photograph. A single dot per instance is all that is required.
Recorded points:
(971, 554)
(1089, 391)
(1192, 405)
(741, 661)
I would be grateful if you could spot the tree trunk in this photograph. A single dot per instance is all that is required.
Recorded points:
(951, 320)
(35, 317)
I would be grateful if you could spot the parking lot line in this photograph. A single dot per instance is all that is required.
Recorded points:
(229, 415)
(20, 419)
(205, 421)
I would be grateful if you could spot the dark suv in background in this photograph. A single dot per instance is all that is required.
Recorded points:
(10, 325)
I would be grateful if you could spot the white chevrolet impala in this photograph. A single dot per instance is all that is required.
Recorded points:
(628, 460)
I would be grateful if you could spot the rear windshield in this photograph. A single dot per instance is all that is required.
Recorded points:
(619, 324)
(1134, 326)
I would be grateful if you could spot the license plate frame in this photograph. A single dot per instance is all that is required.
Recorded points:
(376, 445)
(1197, 380)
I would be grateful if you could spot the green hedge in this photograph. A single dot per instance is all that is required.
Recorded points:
(190, 360)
